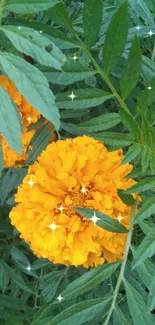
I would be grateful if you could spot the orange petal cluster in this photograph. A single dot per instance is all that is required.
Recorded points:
(74, 172)
(11, 158)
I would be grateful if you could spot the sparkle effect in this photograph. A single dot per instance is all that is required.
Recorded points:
(61, 208)
(72, 96)
(138, 28)
(120, 218)
(19, 27)
(83, 190)
(29, 119)
(31, 182)
(150, 33)
(53, 226)
(29, 268)
(40, 31)
(95, 218)
(149, 88)
(75, 57)
(60, 298)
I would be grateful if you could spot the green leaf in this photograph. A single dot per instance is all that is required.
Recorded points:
(92, 19)
(119, 318)
(22, 261)
(38, 94)
(146, 97)
(26, 6)
(137, 306)
(105, 221)
(61, 40)
(77, 314)
(146, 226)
(115, 39)
(147, 209)
(72, 72)
(16, 278)
(146, 272)
(132, 153)
(151, 298)
(146, 249)
(89, 280)
(114, 139)
(34, 44)
(130, 123)
(4, 280)
(12, 320)
(60, 16)
(100, 123)
(84, 98)
(10, 121)
(144, 185)
(132, 69)
(142, 10)
(146, 156)
(126, 198)
(13, 303)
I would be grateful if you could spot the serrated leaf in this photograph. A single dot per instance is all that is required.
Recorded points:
(92, 18)
(126, 198)
(137, 306)
(89, 280)
(60, 16)
(132, 153)
(146, 97)
(100, 123)
(77, 314)
(72, 72)
(151, 298)
(146, 249)
(61, 40)
(84, 98)
(12, 320)
(147, 209)
(105, 221)
(132, 69)
(22, 261)
(146, 156)
(115, 39)
(17, 279)
(34, 44)
(10, 121)
(131, 124)
(141, 9)
(29, 6)
(144, 185)
(38, 94)
(113, 138)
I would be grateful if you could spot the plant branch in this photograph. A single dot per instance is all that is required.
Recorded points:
(2, 4)
(122, 270)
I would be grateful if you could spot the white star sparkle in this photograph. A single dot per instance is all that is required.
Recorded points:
(83, 190)
(72, 96)
(61, 208)
(28, 268)
(31, 182)
(120, 218)
(149, 88)
(53, 226)
(29, 119)
(95, 218)
(138, 27)
(75, 57)
(60, 298)
(40, 31)
(150, 33)
(19, 27)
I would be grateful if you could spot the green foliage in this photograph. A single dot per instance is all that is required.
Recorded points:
(88, 67)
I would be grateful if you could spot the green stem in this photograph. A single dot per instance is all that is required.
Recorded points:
(2, 4)
(122, 270)
(153, 53)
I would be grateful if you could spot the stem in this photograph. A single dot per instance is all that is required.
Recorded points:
(153, 53)
(122, 270)
(2, 4)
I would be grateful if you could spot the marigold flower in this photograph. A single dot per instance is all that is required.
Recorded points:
(29, 115)
(74, 172)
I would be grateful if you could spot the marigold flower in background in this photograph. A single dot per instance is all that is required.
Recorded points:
(29, 115)
(71, 173)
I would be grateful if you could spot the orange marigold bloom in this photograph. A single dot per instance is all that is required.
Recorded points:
(74, 172)
(29, 115)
